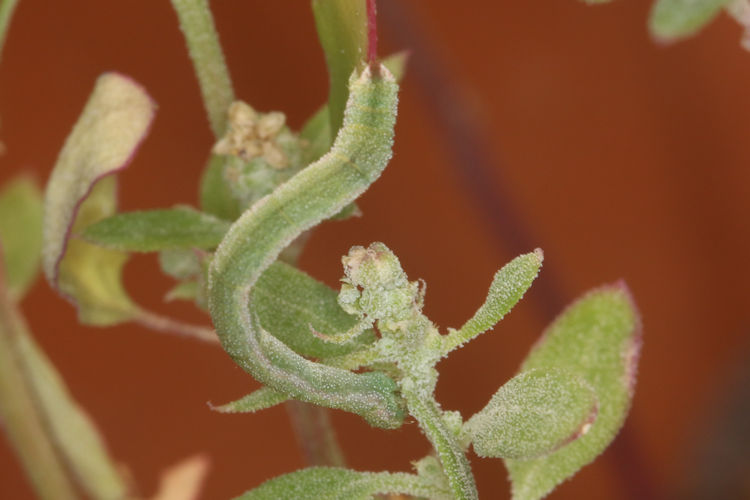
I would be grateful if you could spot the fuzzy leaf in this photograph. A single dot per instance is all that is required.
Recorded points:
(534, 413)
(180, 263)
(674, 19)
(21, 233)
(290, 303)
(342, 31)
(155, 230)
(255, 401)
(317, 130)
(113, 123)
(328, 483)
(507, 288)
(597, 338)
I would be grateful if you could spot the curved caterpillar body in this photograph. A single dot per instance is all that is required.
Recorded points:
(360, 152)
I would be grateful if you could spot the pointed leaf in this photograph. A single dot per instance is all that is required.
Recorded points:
(113, 123)
(290, 303)
(598, 338)
(155, 230)
(674, 19)
(21, 233)
(507, 288)
(534, 413)
(255, 401)
(329, 483)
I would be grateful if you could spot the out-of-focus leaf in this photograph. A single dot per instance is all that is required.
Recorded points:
(45, 422)
(597, 338)
(342, 31)
(534, 413)
(6, 13)
(113, 123)
(675, 19)
(72, 430)
(20, 416)
(184, 480)
(329, 483)
(216, 196)
(187, 290)
(290, 303)
(180, 263)
(21, 233)
(91, 276)
(155, 230)
(507, 288)
(257, 400)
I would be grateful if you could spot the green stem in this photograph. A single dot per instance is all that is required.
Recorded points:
(315, 434)
(6, 12)
(19, 413)
(454, 461)
(197, 24)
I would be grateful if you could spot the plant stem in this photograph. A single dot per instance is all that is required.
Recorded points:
(197, 24)
(6, 13)
(315, 435)
(166, 324)
(454, 461)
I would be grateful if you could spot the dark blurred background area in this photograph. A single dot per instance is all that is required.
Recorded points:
(521, 125)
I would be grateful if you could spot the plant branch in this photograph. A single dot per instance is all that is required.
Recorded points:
(166, 324)
(315, 435)
(455, 464)
(197, 24)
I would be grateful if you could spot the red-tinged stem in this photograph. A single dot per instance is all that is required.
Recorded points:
(372, 33)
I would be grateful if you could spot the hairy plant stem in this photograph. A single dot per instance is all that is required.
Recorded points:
(197, 24)
(455, 464)
(315, 435)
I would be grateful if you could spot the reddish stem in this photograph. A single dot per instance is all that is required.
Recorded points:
(372, 34)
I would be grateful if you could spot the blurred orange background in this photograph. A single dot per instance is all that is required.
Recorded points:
(565, 128)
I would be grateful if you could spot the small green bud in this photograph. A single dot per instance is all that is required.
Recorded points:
(373, 267)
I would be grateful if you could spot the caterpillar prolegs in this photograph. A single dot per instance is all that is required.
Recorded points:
(359, 154)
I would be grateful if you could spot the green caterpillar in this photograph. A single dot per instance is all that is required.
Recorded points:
(359, 154)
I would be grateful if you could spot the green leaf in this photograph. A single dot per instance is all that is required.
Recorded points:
(317, 130)
(21, 233)
(180, 263)
(329, 483)
(6, 14)
(21, 420)
(216, 197)
(44, 422)
(675, 19)
(72, 430)
(91, 276)
(342, 31)
(113, 123)
(155, 230)
(255, 401)
(187, 290)
(534, 413)
(290, 303)
(507, 288)
(597, 338)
